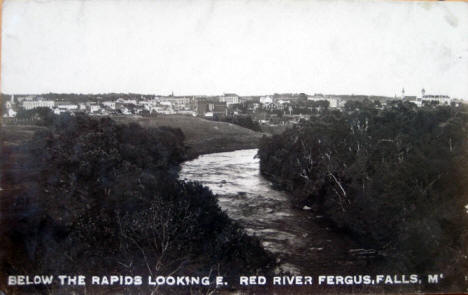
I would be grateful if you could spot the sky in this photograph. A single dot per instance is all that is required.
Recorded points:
(253, 47)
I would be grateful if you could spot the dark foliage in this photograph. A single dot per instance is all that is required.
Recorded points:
(105, 199)
(243, 121)
(42, 115)
(396, 179)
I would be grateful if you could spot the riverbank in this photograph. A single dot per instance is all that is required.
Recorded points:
(142, 220)
(204, 136)
(201, 136)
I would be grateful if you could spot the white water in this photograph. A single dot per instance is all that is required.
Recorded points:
(250, 199)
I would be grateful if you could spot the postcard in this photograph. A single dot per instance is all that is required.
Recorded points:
(231, 147)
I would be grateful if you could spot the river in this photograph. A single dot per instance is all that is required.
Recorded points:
(302, 244)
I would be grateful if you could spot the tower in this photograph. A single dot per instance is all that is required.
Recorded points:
(403, 93)
(423, 92)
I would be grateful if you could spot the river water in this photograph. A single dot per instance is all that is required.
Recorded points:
(301, 243)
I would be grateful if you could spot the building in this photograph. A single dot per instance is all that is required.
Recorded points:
(210, 108)
(333, 102)
(229, 98)
(32, 104)
(109, 104)
(178, 102)
(94, 107)
(266, 100)
(441, 99)
(10, 112)
(127, 101)
(66, 106)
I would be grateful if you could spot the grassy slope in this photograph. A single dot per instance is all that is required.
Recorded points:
(205, 136)
(201, 136)
(16, 134)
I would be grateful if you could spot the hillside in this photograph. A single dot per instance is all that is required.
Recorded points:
(205, 136)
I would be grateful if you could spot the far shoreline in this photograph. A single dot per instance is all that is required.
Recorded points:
(204, 136)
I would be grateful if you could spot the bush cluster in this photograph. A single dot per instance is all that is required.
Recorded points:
(104, 198)
(395, 179)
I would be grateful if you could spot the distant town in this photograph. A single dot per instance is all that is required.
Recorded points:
(275, 109)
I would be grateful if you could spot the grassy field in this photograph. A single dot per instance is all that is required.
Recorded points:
(204, 136)
(201, 136)
(11, 135)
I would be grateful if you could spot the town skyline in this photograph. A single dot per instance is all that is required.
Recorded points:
(403, 92)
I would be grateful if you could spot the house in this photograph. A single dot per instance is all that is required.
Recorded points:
(266, 100)
(10, 113)
(109, 104)
(94, 107)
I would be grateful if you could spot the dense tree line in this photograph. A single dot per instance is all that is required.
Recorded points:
(243, 121)
(104, 198)
(42, 115)
(395, 179)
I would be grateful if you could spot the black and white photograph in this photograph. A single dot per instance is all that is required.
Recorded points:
(233, 147)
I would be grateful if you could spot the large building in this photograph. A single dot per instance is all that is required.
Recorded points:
(179, 102)
(210, 108)
(441, 99)
(229, 98)
(32, 104)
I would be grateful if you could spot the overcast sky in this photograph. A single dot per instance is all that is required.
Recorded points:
(247, 47)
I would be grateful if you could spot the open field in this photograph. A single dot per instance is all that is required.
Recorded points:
(16, 134)
(204, 136)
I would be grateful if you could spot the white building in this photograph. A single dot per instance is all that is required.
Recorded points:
(10, 113)
(266, 100)
(66, 106)
(441, 99)
(109, 104)
(229, 98)
(94, 108)
(127, 101)
(178, 103)
(29, 105)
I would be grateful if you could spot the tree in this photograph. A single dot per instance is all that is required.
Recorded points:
(395, 179)
(106, 197)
